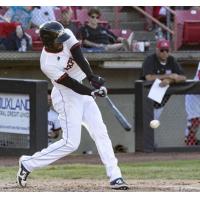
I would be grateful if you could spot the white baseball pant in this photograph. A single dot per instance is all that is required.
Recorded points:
(75, 110)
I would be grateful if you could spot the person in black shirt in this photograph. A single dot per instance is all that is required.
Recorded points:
(98, 38)
(163, 66)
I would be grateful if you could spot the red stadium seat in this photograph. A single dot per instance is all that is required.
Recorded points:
(191, 32)
(82, 15)
(7, 28)
(186, 27)
(37, 46)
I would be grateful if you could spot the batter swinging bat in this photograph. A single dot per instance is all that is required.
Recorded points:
(119, 116)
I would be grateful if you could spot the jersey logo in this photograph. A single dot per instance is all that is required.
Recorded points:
(58, 58)
(70, 64)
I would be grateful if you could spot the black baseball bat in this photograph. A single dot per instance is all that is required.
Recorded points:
(119, 116)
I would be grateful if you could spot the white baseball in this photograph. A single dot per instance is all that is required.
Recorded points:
(154, 123)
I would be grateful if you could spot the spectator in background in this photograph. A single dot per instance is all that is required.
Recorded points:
(98, 39)
(54, 127)
(42, 14)
(161, 65)
(18, 40)
(192, 107)
(159, 13)
(21, 14)
(66, 17)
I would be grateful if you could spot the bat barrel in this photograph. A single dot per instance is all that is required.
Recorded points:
(118, 115)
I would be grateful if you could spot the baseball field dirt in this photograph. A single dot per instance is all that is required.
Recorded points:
(86, 185)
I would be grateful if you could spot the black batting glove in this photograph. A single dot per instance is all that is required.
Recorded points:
(96, 81)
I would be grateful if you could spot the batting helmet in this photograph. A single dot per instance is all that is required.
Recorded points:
(53, 32)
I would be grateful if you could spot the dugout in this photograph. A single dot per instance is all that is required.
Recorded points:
(23, 116)
(165, 138)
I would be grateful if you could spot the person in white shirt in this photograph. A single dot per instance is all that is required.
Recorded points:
(63, 63)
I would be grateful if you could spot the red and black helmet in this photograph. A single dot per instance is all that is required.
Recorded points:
(53, 32)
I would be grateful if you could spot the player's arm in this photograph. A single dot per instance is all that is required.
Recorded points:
(74, 85)
(59, 76)
(95, 80)
(53, 73)
(80, 88)
(80, 60)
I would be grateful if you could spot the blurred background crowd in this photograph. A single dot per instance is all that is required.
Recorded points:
(19, 27)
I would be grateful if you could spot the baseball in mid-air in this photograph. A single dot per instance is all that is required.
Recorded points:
(154, 123)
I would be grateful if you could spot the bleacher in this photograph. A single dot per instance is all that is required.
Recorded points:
(123, 20)
(107, 19)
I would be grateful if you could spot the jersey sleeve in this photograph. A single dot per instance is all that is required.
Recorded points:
(72, 40)
(50, 70)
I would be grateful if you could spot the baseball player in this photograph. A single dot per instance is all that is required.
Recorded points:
(63, 63)
(192, 107)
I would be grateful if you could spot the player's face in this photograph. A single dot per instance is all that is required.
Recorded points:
(94, 19)
(58, 47)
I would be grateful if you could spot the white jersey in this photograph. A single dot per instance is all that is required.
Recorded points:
(192, 102)
(53, 121)
(54, 65)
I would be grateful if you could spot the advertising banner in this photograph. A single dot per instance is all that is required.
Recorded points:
(14, 113)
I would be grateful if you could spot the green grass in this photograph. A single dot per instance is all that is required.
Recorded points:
(189, 169)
